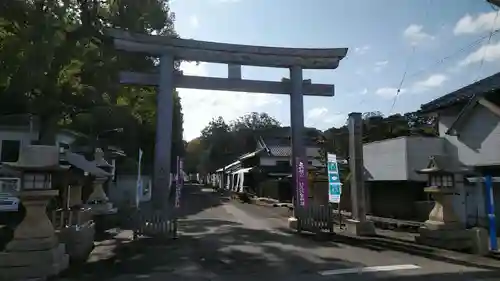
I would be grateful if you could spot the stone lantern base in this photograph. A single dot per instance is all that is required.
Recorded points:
(444, 230)
(34, 252)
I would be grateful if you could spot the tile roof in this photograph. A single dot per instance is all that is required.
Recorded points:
(464, 94)
(280, 151)
(286, 151)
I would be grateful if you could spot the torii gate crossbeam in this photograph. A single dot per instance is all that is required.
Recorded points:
(169, 49)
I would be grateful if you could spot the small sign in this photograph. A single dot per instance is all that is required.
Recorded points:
(335, 187)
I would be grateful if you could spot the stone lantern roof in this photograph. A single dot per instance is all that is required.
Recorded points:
(79, 161)
(443, 164)
(99, 160)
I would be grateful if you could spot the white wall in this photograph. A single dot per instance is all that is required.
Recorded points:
(419, 150)
(479, 140)
(398, 159)
(125, 188)
(25, 137)
(386, 160)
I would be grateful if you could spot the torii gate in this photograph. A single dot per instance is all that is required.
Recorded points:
(169, 49)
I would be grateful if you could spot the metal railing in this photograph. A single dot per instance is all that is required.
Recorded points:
(63, 218)
(315, 218)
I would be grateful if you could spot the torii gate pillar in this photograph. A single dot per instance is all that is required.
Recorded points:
(163, 141)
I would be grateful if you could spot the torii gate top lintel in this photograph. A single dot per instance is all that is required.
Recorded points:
(194, 50)
(170, 49)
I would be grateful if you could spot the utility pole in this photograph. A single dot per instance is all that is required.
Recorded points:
(494, 2)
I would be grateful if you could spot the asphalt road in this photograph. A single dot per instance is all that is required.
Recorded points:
(227, 240)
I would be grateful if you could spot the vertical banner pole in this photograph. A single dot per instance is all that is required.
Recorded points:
(491, 212)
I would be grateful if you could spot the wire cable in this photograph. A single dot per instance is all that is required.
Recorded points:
(481, 63)
(402, 80)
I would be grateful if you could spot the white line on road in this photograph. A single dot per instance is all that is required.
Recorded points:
(369, 269)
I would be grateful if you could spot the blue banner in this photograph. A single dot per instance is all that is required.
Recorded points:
(335, 187)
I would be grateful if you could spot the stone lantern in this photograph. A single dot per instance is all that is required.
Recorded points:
(443, 228)
(102, 208)
(98, 198)
(34, 251)
(78, 235)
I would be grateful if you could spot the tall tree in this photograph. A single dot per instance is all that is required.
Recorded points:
(254, 121)
(376, 127)
(58, 63)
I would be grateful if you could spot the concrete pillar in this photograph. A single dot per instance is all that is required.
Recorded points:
(297, 123)
(34, 251)
(163, 145)
(75, 195)
(358, 224)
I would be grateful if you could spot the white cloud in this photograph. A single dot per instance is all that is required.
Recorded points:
(193, 21)
(335, 120)
(388, 92)
(489, 53)
(317, 112)
(380, 65)
(362, 50)
(473, 25)
(199, 107)
(364, 92)
(321, 118)
(359, 72)
(433, 81)
(415, 34)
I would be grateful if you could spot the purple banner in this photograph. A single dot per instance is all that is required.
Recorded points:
(301, 184)
(179, 182)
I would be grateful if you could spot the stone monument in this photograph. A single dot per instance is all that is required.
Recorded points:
(34, 251)
(102, 209)
(358, 224)
(444, 229)
(98, 199)
(78, 228)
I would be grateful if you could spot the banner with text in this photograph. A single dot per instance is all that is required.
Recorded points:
(179, 182)
(301, 184)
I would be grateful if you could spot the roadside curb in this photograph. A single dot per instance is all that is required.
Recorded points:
(269, 203)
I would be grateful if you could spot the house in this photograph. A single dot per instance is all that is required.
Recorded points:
(20, 130)
(23, 129)
(267, 170)
(469, 125)
(393, 188)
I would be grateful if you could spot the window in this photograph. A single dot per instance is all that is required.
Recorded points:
(63, 147)
(10, 150)
(441, 180)
(283, 163)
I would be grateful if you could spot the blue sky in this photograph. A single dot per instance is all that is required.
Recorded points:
(435, 38)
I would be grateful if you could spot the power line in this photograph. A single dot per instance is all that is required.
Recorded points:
(444, 59)
(402, 80)
(486, 47)
(457, 52)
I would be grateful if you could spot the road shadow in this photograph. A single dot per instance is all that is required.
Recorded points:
(217, 246)
(210, 248)
(455, 276)
(382, 243)
(204, 247)
(198, 198)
